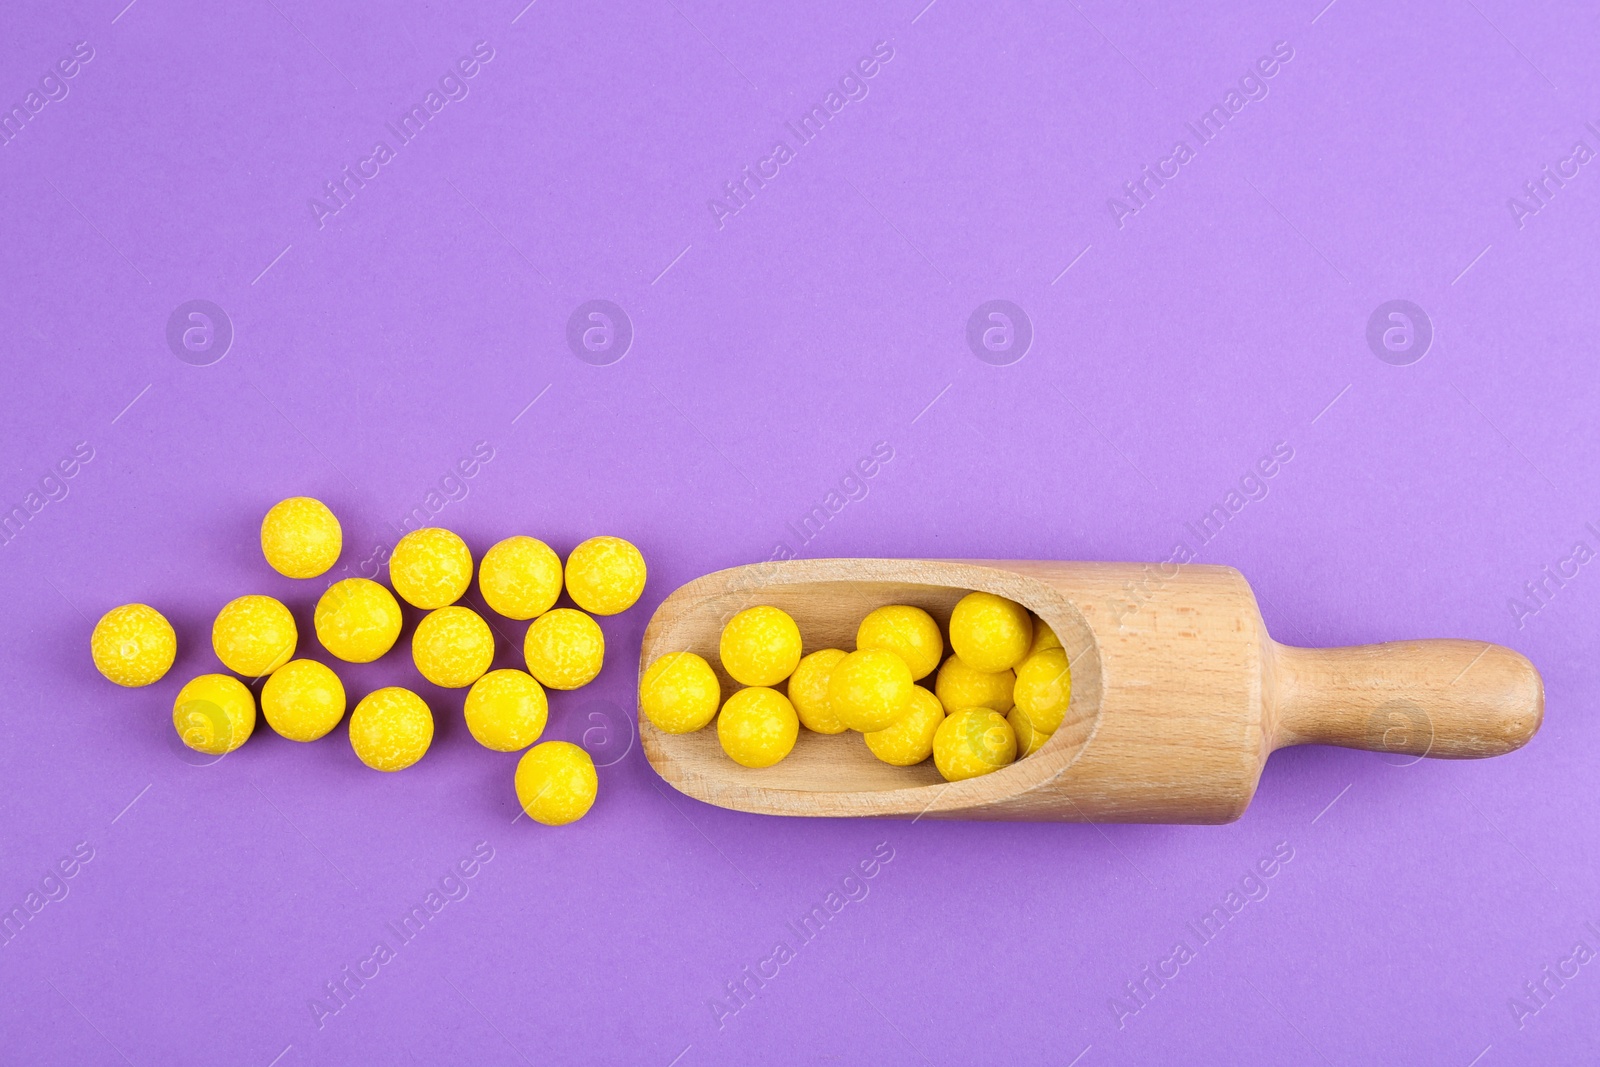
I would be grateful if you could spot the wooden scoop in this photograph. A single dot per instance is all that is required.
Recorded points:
(1178, 693)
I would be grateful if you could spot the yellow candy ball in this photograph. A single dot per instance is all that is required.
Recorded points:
(1029, 739)
(1043, 637)
(430, 568)
(357, 620)
(556, 783)
(971, 742)
(679, 693)
(506, 710)
(520, 577)
(908, 632)
(808, 691)
(133, 645)
(214, 714)
(758, 727)
(300, 537)
(990, 633)
(564, 649)
(452, 647)
(391, 729)
(910, 740)
(605, 575)
(959, 686)
(1044, 688)
(303, 700)
(760, 646)
(254, 635)
(870, 689)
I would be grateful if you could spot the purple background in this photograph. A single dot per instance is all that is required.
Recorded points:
(1227, 315)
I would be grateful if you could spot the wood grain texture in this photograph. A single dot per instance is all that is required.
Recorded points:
(1178, 693)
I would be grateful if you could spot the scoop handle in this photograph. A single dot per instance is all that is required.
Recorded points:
(1447, 699)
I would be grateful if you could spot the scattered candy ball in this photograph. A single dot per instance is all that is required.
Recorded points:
(391, 729)
(357, 620)
(909, 740)
(971, 742)
(254, 635)
(452, 647)
(506, 710)
(1044, 688)
(303, 700)
(214, 714)
(758, 726)
(556, 783)
(679, 692)
(564, 649)
(760, 646)
(908, 632)
(990, 633)
(520, 577)
(1029, 738)
(133, 645)
(808, 691)
(430, 568)
(300, 537)
(1043, 636)
(960, 686)
(605, 575)
(870, 689)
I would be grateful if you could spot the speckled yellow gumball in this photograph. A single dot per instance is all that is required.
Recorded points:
(214, 714)
(808, 691)
(760, 646)
(909, 741)
(870, 689)
(300, 537)
(254, 635)
(133, 645)
(506, 710)
(679, 692)
(605, 575)
(990, 633)
(303, 700)
(452, 647)
(391, 729)
(1043, 637)
(758, 727)
(1044, 688)
(564, 649)
(959, 686)
(556, 783)
(1029, 740)
(971, 742)
(908, 632)
(520, 577)
(357, 620)
(430, 568)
